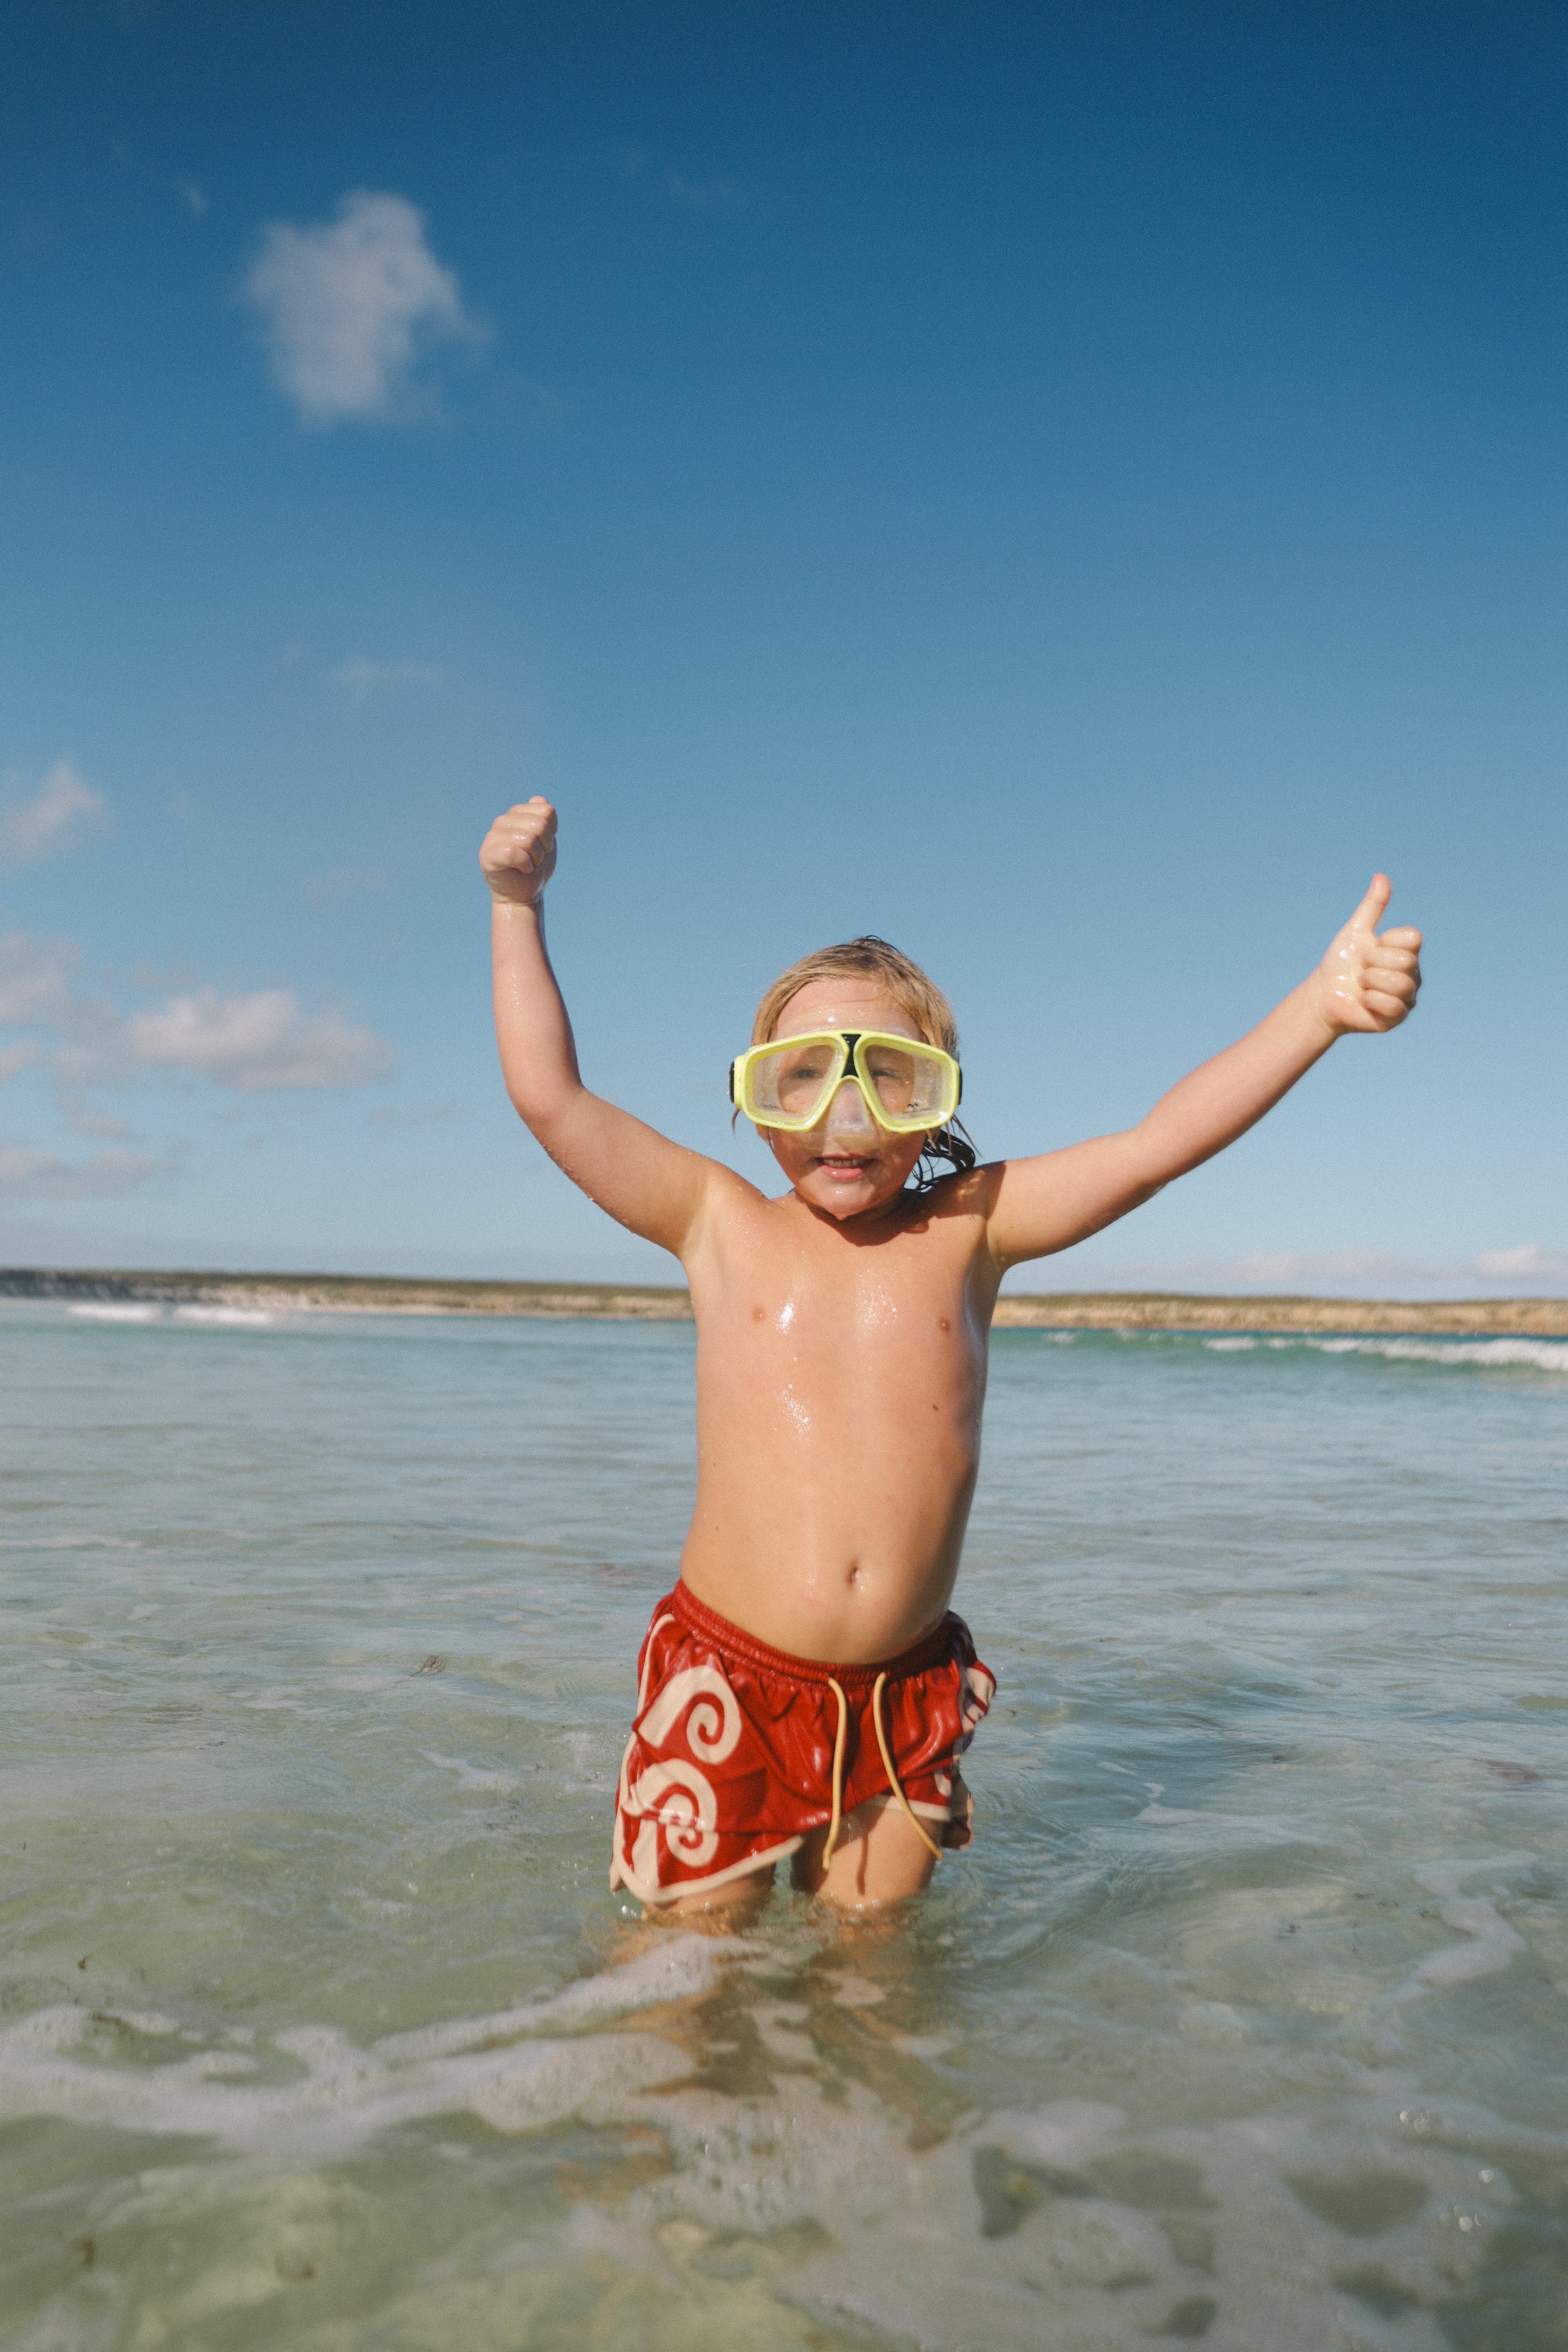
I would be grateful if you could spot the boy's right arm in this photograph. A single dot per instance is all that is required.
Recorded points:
(641, 1178)
(1366, 982)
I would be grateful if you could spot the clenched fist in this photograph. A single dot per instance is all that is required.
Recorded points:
(1368, 982)
(518, 855)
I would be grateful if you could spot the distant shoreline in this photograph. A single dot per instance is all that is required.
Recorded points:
(1099, 1310)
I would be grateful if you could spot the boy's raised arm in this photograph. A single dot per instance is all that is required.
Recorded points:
(653, 1186)
(1363, 983)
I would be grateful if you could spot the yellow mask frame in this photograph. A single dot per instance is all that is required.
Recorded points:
(789, 1083)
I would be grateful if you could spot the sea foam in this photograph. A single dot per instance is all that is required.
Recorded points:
(228, 1318)
(518, 2069)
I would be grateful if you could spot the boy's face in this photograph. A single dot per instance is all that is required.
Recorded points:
(848, 1164)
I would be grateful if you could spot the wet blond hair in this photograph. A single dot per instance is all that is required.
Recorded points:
(912, 990)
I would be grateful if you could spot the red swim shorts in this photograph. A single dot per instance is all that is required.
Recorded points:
(729, 1764)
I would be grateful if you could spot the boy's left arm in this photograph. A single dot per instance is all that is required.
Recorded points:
(1363, 983)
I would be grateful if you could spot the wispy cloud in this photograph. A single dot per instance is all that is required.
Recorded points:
(1363, 1273)
(351, 305)
(1528, 1262)
(264, 1040)
(52, 821)
(85, 1119)
(36, 980)
(361, 678)
(1279, 1270)
(346, 882)
(29, 1175)
(259, 1043)
(196, 197)
(1286, 1270)
(1348, 1272)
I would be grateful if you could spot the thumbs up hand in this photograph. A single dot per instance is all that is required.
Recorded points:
(1370, 982)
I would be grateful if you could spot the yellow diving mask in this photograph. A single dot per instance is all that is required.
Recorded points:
(907, 1086)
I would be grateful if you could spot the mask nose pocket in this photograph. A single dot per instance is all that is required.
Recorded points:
(847, 1114)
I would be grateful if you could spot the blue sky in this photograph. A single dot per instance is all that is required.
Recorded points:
(1070, 489)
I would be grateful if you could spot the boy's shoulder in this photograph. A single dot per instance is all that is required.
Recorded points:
(964, 1192)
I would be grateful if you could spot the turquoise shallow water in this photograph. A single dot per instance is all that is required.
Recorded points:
(1243, 2023)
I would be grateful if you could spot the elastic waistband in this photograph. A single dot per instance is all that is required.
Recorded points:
(933, 1651)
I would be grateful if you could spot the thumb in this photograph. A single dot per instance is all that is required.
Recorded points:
(1368, 915)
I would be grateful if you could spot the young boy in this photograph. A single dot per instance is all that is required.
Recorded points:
(805, 1692)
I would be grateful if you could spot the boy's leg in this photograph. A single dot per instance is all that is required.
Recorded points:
(881, 1858)
(721, 1908)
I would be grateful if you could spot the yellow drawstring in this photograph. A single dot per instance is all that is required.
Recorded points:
(836, 1826)
(836, 1823)
(892, 1776)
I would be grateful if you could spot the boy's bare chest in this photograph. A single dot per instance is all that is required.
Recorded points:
(911, 1305)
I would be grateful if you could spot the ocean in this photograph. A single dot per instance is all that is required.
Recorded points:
(1243, 2021)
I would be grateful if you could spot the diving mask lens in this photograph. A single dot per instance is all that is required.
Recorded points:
(908, 1086)
(792, 1084)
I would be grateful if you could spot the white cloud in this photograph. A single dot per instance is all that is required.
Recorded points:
(257, 1043)
(35, 980)
(361, 678)
(1280, 1269)
(82, 1119)
(29, 1175)
(1347, 1273)
(264, 1040)
(1528, 1262)
(1269, 1271)
(350, 304)
(53, 821)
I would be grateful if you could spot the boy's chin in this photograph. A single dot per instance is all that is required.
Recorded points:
(849, 1195)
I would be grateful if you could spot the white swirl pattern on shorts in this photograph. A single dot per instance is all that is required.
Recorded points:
(712, 1732)
(672, 1794)
(979, 1689)
(679, 1799)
